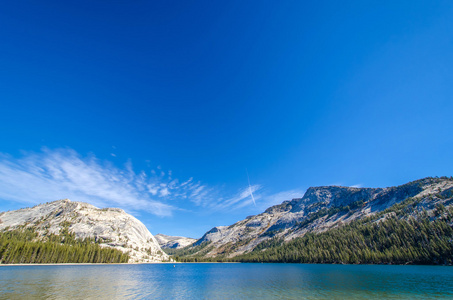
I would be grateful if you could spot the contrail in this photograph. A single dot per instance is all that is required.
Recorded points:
(250, 188)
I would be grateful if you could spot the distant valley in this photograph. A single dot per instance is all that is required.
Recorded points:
(173, 242)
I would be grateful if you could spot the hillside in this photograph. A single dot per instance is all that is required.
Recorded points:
(321, 210)
(394, 236)
(110, 228)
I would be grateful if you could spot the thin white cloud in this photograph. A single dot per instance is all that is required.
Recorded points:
(187, 182)
(164, 192)
(359, 185)
(244, 194)
(152, 189)
(63, 173)
(210, 199)
(199, 194)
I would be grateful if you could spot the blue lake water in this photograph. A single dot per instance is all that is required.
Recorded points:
(225, 281)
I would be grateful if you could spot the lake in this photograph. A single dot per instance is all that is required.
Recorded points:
(225, 281)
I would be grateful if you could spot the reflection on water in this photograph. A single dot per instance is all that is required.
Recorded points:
(225, 281)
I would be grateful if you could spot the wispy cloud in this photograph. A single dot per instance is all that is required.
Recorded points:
(263, 199)
(63, 173)
(359, 185)
(241, 199)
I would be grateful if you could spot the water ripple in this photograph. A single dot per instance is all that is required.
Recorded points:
(225, 281)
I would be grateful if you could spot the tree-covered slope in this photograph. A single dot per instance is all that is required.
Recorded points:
(411, 223)
(108, 227)
(413, 240)
(22, 245)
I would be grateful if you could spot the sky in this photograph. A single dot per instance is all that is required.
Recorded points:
(179, 111)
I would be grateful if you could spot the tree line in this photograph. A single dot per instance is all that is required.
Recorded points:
(22, 245)
(399, 235)
(392, 241)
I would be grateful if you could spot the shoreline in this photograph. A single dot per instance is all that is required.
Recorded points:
(110, 264)
(236, 262)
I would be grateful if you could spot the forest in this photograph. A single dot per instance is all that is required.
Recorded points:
(395, 236)
(21, 246)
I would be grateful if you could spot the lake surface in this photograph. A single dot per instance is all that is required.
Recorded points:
(225, 281)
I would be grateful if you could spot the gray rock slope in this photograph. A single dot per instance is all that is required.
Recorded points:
(111, 227)
(173, 242)
(320, 209)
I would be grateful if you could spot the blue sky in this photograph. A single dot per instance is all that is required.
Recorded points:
(161, 108)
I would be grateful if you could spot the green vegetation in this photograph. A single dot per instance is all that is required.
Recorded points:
(393, 241)
(328, 212)
(22, 246)
(402, 234)
(186, 254)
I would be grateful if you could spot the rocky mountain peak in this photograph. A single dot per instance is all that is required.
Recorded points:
(111, 227)
(322, 208)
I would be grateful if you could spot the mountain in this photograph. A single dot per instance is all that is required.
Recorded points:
(321, 209)
(173, 242)
(107, 227)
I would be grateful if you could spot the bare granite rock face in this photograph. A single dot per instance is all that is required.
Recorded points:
(320, 209)
(173, 242)
(111, 227)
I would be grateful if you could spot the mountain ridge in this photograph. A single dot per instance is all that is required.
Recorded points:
(320, 209)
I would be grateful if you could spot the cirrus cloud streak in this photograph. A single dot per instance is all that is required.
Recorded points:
(63, 173)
